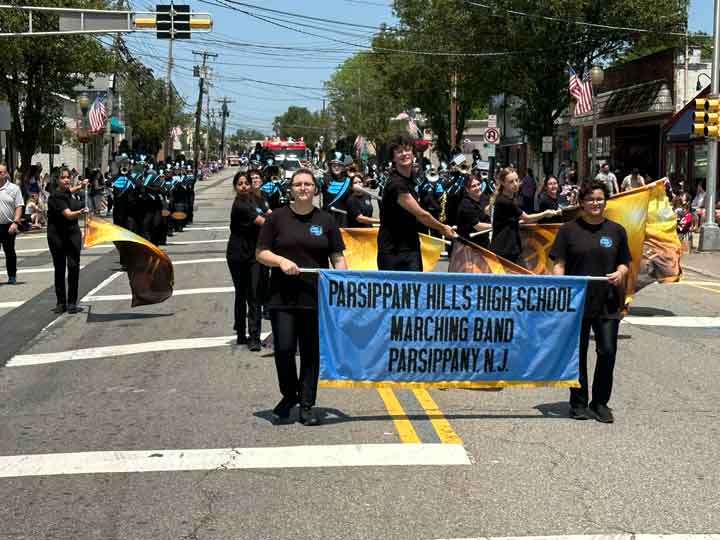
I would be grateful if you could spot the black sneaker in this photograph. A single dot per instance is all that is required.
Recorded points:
(12, 280)
(308, 417)
(254, 345)
(281, 412)
(60, 308)
(579, 413)
(72, 309)
(602, 413)
(241, 339)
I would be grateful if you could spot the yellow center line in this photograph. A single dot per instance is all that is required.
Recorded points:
(402, 423)
(716, 291)
(442, 427)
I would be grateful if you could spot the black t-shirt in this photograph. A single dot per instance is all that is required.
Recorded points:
(469, 214)
(358, 206)
(307, 240)
(58, 202)
(545, 202)
(243, 230)
(398, 227)
(506, 228)
(594, 250)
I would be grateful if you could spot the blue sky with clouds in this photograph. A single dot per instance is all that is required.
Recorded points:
(273, 49)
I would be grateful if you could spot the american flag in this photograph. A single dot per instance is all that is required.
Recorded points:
(97, 115)
(581, 90)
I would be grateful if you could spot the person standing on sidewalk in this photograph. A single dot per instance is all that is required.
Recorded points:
(11, 204)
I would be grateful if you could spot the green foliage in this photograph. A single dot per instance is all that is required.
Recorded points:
(299, 122)
(36, 70)
(240, 140)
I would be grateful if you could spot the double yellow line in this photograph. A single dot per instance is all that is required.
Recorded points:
(404, 426)
(704, 285)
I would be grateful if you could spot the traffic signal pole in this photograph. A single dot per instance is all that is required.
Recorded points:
(709, 230)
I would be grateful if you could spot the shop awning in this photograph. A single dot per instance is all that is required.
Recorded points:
(681, 128)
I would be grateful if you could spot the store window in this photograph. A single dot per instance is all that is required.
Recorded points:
(700, 165)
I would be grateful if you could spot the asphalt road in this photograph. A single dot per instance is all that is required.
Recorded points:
(185, 425)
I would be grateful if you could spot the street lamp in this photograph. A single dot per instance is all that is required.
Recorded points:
(83, 134)
(597, 76)
(698, 86)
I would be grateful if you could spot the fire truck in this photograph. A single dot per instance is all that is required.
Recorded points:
(286, 148)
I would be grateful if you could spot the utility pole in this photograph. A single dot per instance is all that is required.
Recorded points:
(112, 90)
(201, 72)
(453, 111)
(168, 93)
(207, 120)
(709, 231)
(225, 113)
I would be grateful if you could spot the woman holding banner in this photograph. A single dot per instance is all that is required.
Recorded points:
(295, 238)
(592, 245)
(471, 216)
(400, 213)
(359, 207)
(548, 199)
(507, 215)
(245, 222)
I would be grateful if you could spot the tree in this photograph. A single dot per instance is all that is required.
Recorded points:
(35, 71)
(299, 122)
(146, 109)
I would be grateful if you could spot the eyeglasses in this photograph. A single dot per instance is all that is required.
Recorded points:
(594, 201)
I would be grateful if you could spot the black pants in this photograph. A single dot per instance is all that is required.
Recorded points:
(409, 261)
(246, 278)
(8, 246)
(293, 328)
(65, 251)
(606, 336)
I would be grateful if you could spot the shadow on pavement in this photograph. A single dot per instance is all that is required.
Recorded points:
(111, 317)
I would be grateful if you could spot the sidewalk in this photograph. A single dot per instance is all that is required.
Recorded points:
(704, 263)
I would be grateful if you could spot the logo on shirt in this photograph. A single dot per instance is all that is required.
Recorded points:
(316, 230)
(606, 241)
(258, 210)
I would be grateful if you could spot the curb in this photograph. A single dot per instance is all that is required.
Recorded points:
(700, 271)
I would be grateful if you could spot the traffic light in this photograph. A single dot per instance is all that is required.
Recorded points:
(163, 21)
(706, 121)
(181, 22)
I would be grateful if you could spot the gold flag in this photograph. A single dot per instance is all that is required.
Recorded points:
(149, 269)
(361, 249)
(467, 257)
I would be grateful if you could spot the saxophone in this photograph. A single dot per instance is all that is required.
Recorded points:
(443, 201)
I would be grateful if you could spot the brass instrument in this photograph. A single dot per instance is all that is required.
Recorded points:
(443, 202)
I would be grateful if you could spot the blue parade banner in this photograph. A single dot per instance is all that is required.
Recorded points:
(413, 329)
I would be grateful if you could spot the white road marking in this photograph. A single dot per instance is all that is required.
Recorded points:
(33, 250)
(180, 292)
(224, 228)
(675, 321)
(33, 236)
(598, 537)
(190, 242)
(11, 305)
(346, 455)
(102, 285)
(42, 270)
(199, 261)
(112, 351)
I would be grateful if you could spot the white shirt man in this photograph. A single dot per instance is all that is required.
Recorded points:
(11, 203)
(608, 178)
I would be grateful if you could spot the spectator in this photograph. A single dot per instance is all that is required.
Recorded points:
(528, 188)
(609, 179)
(33, 212)
(633, 180)
(11, 203)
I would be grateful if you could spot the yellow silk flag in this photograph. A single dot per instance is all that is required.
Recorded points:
(149, 269)
(467, 257)
(662, 248)
(361, 249)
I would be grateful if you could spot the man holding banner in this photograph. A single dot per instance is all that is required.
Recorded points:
(592, 245)
(398, 241)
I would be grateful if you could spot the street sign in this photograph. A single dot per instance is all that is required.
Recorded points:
(492, 135)
(492, 120)
(547, 144)
(491, 151)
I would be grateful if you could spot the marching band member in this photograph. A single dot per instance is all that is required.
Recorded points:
(359, 207)
(336, 189)
(592, 245)
(245, 222)
(471, 216)
(507, 215)
(400, 213)
(294, 237)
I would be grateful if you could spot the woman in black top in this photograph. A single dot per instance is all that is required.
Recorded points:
(400, 213)
(245, 222)
(594, 246)
(294, 237)
(506, 216)
(471, 216)
(263, 272)
(548, 199)
(65, 241)
(359, 207)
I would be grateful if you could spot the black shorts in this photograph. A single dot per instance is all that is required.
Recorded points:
(407, 261)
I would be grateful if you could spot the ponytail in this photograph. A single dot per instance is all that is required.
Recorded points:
(498, 188)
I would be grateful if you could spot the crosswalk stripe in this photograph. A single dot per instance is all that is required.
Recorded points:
(110, 351)
(8, 305)
(191, 242)
(674, 321)
(180, 292)
(320, 456)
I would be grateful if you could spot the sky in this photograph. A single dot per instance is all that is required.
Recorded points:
(272, 52)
